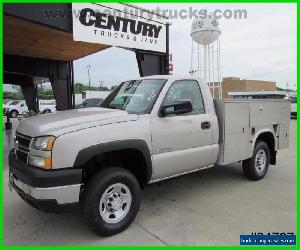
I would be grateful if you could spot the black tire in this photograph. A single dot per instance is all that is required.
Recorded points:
(46, 111)
(249, 169)
(95, 189)
(14, 113)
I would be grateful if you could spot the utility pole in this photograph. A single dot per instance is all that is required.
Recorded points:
(101, 84)
(88, 68)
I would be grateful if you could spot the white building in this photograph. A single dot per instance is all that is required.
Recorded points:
(94, 94)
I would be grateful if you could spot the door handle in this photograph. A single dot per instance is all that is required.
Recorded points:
(205, 125)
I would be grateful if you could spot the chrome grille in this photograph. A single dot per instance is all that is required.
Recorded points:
(22, 156)
(22, 147)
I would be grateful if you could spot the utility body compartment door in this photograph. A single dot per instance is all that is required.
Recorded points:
(234, 131)
(237, 132)
(238, 118)
(268, 112)
(283, 140)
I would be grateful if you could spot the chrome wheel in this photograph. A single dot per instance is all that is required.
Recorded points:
(260, 161)
(115, 203)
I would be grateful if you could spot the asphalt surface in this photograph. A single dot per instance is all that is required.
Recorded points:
(210, 207)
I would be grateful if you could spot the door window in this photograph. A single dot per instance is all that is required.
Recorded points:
(186, 90)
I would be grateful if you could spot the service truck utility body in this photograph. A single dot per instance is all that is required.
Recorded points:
(146, 130)
(242, 121)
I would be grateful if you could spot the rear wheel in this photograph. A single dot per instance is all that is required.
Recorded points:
(111, 201)
(14, 113)
(256, 167)
(46, 111)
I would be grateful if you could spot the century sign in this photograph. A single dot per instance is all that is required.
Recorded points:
(112, 25)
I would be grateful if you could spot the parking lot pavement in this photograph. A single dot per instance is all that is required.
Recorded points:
(210, 207)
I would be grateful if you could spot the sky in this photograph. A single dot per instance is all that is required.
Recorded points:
(260, 47)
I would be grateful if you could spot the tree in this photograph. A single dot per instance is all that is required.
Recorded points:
(13, 95)
(113, 87)
(79, 88)
(104, 89)
(16, 94)
(45, 92)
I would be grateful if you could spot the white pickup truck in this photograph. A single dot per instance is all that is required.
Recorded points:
(146, 130)
(16, 108)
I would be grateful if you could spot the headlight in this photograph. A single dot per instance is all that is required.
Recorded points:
(43, 143)
(44, 160)
(41, 162)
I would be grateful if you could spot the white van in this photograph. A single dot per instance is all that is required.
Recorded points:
(47, 106)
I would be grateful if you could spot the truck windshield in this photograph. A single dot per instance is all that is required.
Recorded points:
(14, 103)
(137, 96)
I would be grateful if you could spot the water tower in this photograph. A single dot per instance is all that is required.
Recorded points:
(205, 56)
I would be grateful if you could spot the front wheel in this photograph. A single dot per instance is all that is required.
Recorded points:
(256, 167)
(111, 201)
(14, 113)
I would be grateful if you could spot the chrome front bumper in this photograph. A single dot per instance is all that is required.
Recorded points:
(61, 194)
(46, 190)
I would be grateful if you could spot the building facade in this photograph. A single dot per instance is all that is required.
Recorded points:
(235, 84)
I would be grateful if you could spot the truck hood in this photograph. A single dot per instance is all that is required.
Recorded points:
(63, 122)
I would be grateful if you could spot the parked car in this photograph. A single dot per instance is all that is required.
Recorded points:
(103, 157)
(7, 103)
(293, 100)
(15, 108)
(19, 107)
(91, 102)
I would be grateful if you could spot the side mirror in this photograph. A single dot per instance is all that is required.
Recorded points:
(177, 108)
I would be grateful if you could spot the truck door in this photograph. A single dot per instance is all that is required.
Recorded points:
(181, 143)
